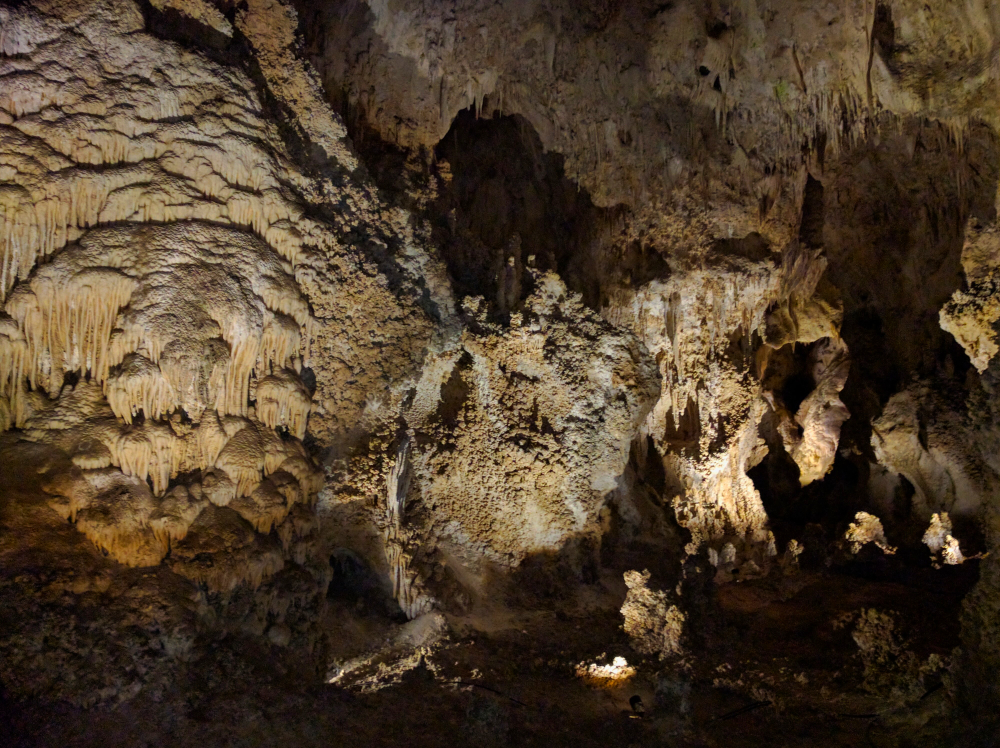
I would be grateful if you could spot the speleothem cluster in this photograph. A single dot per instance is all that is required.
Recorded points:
(475, 308)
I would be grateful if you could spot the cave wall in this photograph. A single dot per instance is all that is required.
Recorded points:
(447, 285)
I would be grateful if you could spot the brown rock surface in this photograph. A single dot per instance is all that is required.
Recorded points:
(355, 355)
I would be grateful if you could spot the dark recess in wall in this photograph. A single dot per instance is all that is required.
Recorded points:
(811, 227)
(508, 206)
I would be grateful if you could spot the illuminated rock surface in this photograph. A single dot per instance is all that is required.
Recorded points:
(355, 357)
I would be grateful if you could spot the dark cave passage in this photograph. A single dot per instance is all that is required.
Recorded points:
(507, 206)
(352, 579)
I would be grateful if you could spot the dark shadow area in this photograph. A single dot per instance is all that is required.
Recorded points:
(893, 229)
(811, 227)
(549, 579)
(357, 591)
(683, 435)
(352, 579)
(753, 247)
(506, 206)
(170, 23)
(884, 32)
(890, 216)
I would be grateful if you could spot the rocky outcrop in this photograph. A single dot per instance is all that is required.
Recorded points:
(812, 434)
(167, 274)
(927, 440)
(461, 292)
(533, 428)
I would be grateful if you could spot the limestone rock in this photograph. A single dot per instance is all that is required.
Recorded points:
(867, 528)
(541, 429)
(461, 311)
(920, 437)
(655, 628)
(812, 437)
(943, 547)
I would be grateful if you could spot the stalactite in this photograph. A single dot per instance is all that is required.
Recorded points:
(40, 221)
(280, 341)
(217, 488)
(68, 310)
(175, 513)
(407, 587)
(282, 400)
(269, 503)
(67, 321)
(210, 438)
(301, 521)
(13, 350)
(139, 385)
(6, 413)
(309, 477)
(117, 519)
(149, 450)
(715, 496)
(195, 372)
(92, 454)
(242, 460)
(249, 558)
(152, 226)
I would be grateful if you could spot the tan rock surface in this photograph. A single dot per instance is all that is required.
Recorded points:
(320, 317)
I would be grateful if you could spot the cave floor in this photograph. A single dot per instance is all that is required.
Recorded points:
(773, 669)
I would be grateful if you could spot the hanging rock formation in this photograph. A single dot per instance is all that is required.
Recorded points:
(346, 340)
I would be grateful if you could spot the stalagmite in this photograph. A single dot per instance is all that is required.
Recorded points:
(921, 438)
(702, 383)
(653, 627)
(867, 528)
(323, 315)
(811, 435)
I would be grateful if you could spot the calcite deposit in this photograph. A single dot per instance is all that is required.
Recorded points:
(356, 356)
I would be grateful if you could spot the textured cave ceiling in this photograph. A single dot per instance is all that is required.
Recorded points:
(406, 372)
